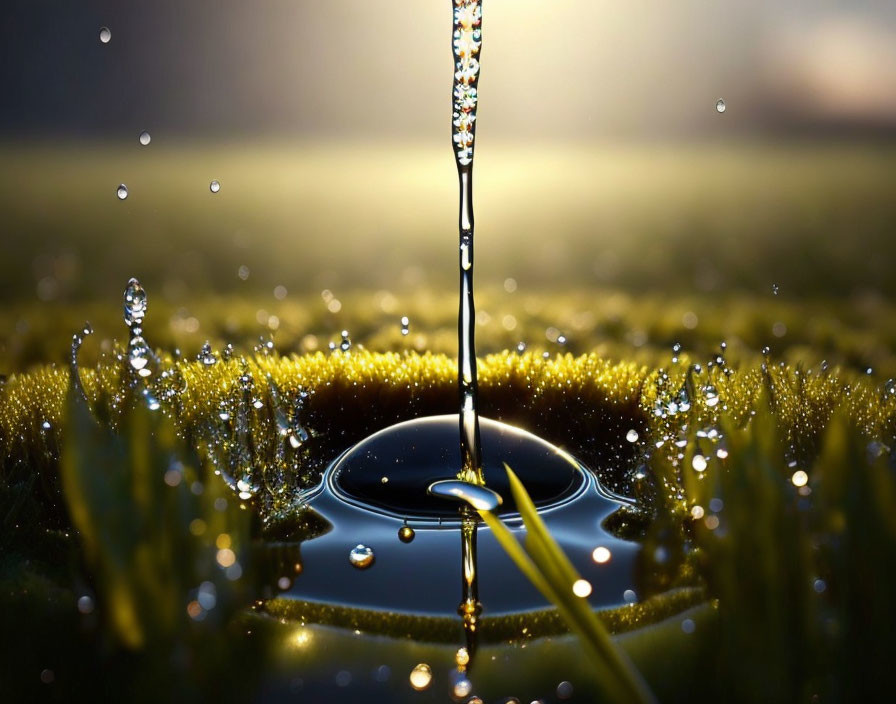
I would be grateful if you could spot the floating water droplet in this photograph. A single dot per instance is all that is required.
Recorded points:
(720, 106)
(361, 557)
(421, 677)
(46, 425)
(819, 586)
(601, 555)
(799, 478)
(698, 463)
(697, 512)
(629, 596)
(85, 604)
(462, 687)
(105, 35)
(405, 325)
(688, 626)
(581, 588)
(121, 191)
(406, 534)
(632, 435)
(214, 186)
(564, 690)
(145, 138)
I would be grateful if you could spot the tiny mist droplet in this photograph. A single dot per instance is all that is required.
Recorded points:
(720, 106)
(105, 35)
(121, 191)
(145, 138)
(361, 557)
(214, 186)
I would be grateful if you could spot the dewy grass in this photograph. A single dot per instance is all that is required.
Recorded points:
(768, 486)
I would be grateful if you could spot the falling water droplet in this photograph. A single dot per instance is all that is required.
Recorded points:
(121, 191)
(361, 557)
(105, 35)
(214, 186)
(405, 325)
(720, 106)
(145, 138)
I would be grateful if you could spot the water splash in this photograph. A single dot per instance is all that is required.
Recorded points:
(135, 304)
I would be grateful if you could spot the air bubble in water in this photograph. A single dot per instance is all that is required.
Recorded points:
(720, 106)
(361, 557)
(121, 191)
(145, 138)
(105, 35)
(214, 186)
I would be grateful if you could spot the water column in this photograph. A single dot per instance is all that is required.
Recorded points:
(466, 44)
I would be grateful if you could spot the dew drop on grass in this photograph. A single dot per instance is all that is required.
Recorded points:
(121, 191)
(105, 35)
(720, 106)
(145, 138)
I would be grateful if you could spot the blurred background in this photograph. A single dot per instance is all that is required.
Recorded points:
(602, 162)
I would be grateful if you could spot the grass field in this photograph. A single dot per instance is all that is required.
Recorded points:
(764, 479)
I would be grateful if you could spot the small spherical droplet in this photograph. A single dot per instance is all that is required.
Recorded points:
(632, 435)
(720, 105)
(361, 557)
(800, 478)
(582, 588)
(564, 690)
(85, 604)
(462, 657)
(214, 186)
(145, 138)
(105, 35)
(122, 192)
(699, 463)
(421, 677)
(406, 534)
(601, 555)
